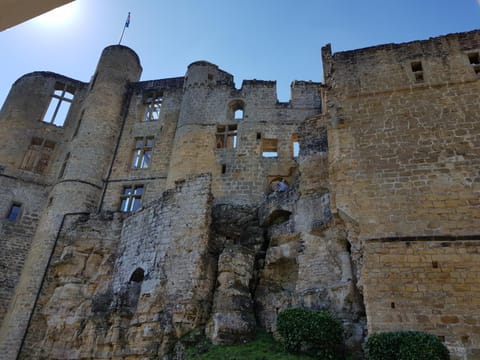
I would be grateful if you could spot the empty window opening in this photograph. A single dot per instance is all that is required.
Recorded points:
(417, 70)
(142, 153)
(210, 77)
(392, 305)
(224, 168)
(64, 166)
(295, 145)
(236, 109)
(38, 155)
(239, 114)
(138, 275)
(269, 148)
(259, 136)
(435, 264)
(14, 212)
(474, 59)
(226, 136)
(153, 107)
(59, 106)
(131, 198)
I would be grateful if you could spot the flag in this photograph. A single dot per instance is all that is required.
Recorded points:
(127, 22)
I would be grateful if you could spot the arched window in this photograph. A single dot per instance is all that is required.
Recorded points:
(138, 275)
(236, 110)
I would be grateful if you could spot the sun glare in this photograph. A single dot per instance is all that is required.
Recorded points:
(63, 15)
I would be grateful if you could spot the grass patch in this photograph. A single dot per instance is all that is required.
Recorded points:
(263, 347)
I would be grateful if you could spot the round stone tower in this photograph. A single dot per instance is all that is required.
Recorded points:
(206, 92)
(80, 187)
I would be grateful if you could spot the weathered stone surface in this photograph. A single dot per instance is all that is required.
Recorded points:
(382, 203)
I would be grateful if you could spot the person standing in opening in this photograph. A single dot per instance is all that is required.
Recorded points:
(282, 185)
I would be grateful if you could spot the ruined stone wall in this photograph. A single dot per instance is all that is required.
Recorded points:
(430, 285)
(404, 153)
(96, 303)
(240, 173)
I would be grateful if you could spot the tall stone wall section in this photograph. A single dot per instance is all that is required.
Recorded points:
(79, 189)
(403, 136)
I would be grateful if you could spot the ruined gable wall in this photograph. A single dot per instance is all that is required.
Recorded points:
(91, 307)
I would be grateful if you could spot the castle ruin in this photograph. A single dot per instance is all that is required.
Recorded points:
(133, 212)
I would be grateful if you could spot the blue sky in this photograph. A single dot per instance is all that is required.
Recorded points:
(251, 39)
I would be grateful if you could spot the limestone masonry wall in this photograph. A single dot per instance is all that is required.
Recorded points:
(134, 212)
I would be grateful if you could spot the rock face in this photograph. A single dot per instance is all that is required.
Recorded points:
(153, 212)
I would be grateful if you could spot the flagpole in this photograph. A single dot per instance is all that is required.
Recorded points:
(127, 24)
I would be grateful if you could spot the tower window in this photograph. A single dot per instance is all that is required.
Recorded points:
(226, 136)
(59, 106)
(153, 107)
(142, 153)
(38, 155)
(14, 212)
(131, 198)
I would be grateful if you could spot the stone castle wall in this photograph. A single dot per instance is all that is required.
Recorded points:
(403, 153)
(382, 165)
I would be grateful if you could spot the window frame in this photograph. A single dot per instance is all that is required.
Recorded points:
(38, 154)
(153, 105)
(143, 149)
(58, 99)
(227, 136)
(131, 199)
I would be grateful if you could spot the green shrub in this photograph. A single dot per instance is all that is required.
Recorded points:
(405, 345)
(314, 332)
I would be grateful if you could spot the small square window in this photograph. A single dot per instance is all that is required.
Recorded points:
(14, 212)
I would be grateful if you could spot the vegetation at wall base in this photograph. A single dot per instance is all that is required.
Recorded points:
(263, 347)
(405, 345)
(312, 332)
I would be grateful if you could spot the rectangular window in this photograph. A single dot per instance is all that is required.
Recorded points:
(142, 153)
(59, 106)
(153, 108)
(38, 155)
(226, 136)
(474, 59)
(295, 145)
(417, 70)
(14, 212)
(131, 198)
(269, 148)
